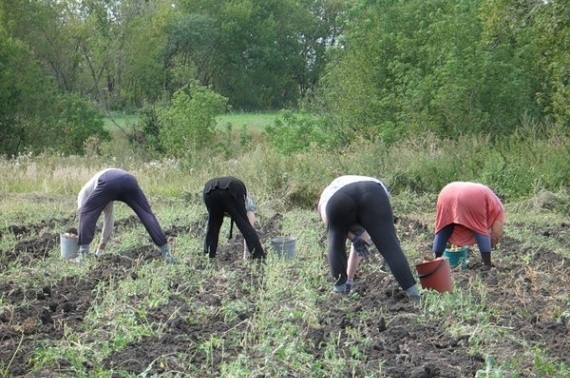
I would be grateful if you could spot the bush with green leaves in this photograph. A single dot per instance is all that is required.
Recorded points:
(35, 115)
(75, 120)
(452, 68)
(296, 132)
(145, 133)
(188, 122)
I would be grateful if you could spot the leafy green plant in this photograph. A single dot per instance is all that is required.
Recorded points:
(295, 132)
(188, 122)
(491, 371)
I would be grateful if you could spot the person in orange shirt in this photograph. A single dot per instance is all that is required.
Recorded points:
(468, 213)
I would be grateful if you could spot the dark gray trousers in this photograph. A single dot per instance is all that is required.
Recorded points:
(117, 185)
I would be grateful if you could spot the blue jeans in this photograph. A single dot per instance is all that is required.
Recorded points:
(441, 238)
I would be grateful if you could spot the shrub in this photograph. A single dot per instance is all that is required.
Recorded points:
(188, 122)
(296, 132)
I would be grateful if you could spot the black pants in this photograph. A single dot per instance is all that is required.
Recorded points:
(117, 185)
(365, 203)
(222, 196)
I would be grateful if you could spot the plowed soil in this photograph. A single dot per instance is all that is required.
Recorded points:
(403, 347)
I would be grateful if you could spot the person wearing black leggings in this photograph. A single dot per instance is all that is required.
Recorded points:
(228, 196)
(97, 197)
(360, 200)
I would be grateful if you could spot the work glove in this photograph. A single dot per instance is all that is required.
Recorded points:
(101, 249)
(82, 255)
(169, 258)
(348, 285)
(340, 289)
(361, 247)
(166, 254)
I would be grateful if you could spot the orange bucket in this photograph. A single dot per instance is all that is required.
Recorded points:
(436, 275)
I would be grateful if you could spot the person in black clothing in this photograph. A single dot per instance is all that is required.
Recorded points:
(350, 205)
(227, 196)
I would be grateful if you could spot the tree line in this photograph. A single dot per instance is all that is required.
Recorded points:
(379, 69)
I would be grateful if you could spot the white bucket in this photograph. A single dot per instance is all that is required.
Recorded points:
(284, 246)
(69, 246)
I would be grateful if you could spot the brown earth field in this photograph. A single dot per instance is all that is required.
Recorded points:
(401, 345)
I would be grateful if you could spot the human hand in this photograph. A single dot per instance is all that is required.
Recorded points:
(348, 285)
(361, 247)
(169, 258)
(166, 254)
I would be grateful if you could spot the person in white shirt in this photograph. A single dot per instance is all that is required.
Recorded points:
(350, 205)
(97, 196)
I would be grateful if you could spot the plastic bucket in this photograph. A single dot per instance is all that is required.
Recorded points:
(284, 246)
(457, 256)
(436, 275)
(69, 246)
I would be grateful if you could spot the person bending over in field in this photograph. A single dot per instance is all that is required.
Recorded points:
(468, 212)
(228, 196)
(97, 196)
(350, 205)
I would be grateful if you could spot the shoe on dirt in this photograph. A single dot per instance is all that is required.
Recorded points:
(340, 289)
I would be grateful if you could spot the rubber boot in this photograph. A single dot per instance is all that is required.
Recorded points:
(486, 257)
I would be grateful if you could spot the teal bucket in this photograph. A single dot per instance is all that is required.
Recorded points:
(457, 257)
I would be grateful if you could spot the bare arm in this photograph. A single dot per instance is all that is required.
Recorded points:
(251, 219)
(353, 258)
(353, 262)
(496, 232)
(108, 225)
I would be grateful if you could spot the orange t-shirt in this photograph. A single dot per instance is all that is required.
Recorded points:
(471, 207)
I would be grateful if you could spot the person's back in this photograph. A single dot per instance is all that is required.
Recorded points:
(468, 213)
(98, 195)
(228, 196)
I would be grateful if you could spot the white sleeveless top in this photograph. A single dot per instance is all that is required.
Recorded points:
(338, 183)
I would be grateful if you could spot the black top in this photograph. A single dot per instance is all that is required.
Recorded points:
(235, 186)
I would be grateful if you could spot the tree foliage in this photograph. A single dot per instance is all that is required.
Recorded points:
(38, 110)
(451, 67)
(371, 69)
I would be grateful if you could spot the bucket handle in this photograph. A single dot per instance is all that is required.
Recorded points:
(433, 271)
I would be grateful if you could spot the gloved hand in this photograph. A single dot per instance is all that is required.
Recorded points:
(168, 257)
(361, 247)
(101, 248)
(348, 285)
(82, 255)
